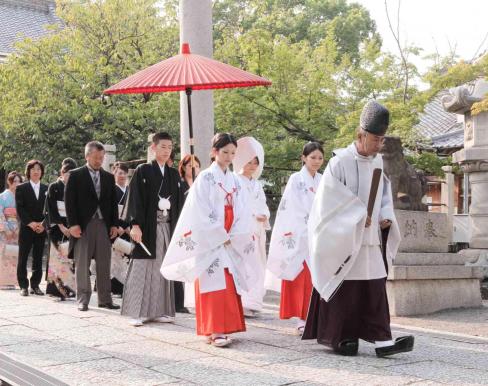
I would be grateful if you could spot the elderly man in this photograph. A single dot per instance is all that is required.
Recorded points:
(91, 208)
(349, 258)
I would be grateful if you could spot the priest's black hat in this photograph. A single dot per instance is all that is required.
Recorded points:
(375, 118)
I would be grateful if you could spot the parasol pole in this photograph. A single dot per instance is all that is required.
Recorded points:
(190, 126)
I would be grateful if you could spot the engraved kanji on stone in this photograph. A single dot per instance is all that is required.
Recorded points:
(410, 228)
(430, 230)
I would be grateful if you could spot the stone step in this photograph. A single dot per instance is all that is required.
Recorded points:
(420, 258)
(427, 272)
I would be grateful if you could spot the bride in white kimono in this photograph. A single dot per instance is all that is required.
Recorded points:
(289, 254)
(211, 241)
(248, 163)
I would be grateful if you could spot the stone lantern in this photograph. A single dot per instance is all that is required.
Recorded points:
(473, 160)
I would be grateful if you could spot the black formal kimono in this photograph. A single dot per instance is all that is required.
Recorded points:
(145, 188)
(147, 294)
(56, 287)
(30, 208)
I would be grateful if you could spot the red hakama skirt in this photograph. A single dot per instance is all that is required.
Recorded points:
(219, 311)
(295, 295)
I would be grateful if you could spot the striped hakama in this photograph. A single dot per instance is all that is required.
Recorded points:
(147, 294)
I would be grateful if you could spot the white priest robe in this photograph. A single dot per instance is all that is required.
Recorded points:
(340, 245)
(197, 250)
(289, 247)
(256, 199)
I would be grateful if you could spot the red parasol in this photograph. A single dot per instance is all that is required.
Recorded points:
(186, 72)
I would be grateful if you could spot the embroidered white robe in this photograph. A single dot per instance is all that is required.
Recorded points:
(197, 250)
(289, 239)
(253, 299)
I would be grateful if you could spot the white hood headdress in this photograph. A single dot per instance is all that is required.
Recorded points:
(247, 149)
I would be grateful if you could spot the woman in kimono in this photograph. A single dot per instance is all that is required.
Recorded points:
(288, 252)
(60, 269)
(119, 261)
(211, 240)
(187, 290)
(248, 163)
(9, 233)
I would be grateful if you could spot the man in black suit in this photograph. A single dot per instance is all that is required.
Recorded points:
(91, 208)
(29, 198)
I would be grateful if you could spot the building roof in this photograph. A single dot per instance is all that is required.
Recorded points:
(20, 19)
(440, 128)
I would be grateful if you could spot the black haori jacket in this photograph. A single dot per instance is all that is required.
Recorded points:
(145, 187)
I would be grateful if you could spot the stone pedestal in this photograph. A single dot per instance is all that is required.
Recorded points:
(196, 29)
(425, 278)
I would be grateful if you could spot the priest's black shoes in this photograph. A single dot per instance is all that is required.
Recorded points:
(83, 307)
(348, 348)
(402, 344)
(110, 306)
(24, 292)
(36, 291)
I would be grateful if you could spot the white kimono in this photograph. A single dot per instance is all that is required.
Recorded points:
(253, 299)
(341, 247)
(197, 250)
(289, 240)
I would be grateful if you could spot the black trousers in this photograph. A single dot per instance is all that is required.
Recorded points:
(179, 295)
(30, 240)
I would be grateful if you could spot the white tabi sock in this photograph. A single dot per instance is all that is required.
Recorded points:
(383, 343)
(301, 323)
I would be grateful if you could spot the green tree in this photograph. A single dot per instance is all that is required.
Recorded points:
(51, 101)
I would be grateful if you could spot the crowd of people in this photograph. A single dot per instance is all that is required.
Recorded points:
(178, 239)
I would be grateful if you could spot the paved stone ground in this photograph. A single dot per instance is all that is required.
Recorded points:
(99, 347)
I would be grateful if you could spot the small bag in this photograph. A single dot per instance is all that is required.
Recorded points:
(61, 208)
(64, 248)
(122, 246)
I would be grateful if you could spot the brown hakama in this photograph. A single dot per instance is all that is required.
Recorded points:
(359, 310)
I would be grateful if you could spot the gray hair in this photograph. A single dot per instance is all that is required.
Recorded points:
(93, 145)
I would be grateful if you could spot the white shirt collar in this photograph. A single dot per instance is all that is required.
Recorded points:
(35, 185)
(123, 188)
(161, 167)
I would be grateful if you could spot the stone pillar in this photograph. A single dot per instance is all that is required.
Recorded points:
(150, 153)
(478, 209)
(447, 198)
(110, 158)
(196, 29)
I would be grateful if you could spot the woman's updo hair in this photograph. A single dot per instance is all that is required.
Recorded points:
(310, 147)
(221, 140)
(68, 164)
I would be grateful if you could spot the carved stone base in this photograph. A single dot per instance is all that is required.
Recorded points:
(476, 258)
(417, 297)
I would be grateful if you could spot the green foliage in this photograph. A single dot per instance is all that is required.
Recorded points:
(430, 163)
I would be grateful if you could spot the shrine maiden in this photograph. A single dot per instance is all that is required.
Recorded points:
(248, 163)
(288, 253)
(212, 239)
